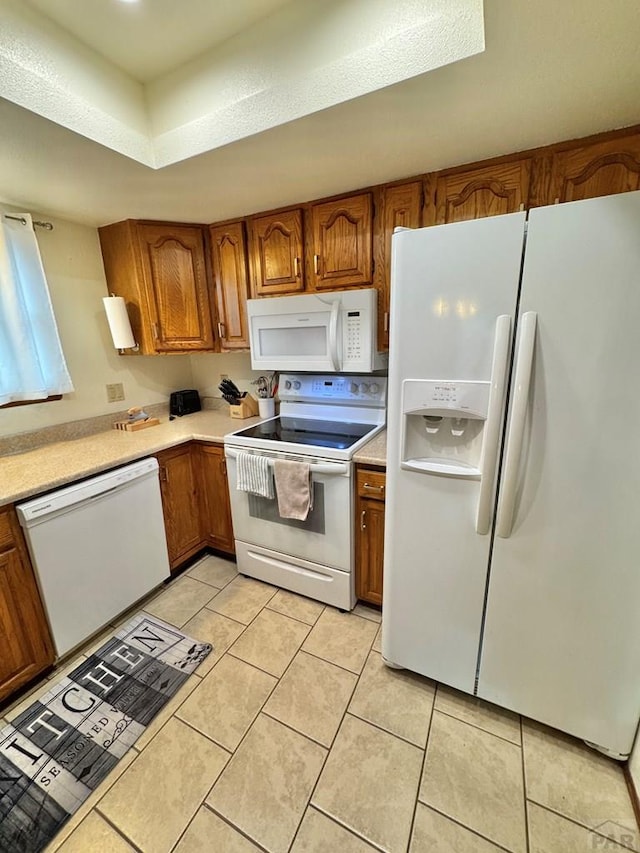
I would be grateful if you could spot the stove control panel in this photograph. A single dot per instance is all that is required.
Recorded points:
(332, 388)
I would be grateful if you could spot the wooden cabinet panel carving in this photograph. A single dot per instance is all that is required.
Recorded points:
(603, 168)
(26, 648)
(277, 253)
(215, 507)
(228, 246)
(488, 191)
(370, 492)
(180, 503)
(342, 242)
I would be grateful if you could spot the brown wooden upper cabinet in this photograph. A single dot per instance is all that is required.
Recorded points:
(160, 270)
(229, 250)
(277, 253)
(401, 207)
(486, 191)
(602, 168)
(342, 242)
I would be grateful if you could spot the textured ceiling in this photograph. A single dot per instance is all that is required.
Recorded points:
(550, 71)
(149, 38)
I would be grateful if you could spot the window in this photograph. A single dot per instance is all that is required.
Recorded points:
(32, 365)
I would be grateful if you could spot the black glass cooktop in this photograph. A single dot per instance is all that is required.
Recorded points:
(310, 432)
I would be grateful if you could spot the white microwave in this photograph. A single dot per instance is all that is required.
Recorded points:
(331, 332)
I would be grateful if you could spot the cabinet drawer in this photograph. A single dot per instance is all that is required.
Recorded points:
(6, 536)
(371, 484)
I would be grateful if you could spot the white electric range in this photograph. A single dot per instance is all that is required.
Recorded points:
(323, 420)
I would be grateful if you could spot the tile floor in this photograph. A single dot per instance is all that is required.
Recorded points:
(293, 736)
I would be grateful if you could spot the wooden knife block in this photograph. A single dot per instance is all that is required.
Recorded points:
(247, 408)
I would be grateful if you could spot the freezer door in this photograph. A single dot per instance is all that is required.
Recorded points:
(451, 284)
(562, 636)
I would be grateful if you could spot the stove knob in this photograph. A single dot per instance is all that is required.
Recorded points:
(353, 387)
(287, 385)
(374, 388)
(364, 388)
(296, 385)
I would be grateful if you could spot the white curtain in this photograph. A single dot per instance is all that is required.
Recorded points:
(32, 365)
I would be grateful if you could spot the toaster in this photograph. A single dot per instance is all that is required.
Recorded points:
(184, 403)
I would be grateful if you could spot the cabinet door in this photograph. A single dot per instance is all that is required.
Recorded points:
(25, 643)
(180, 503)
(232, 284)
(276, 252)
(602, 168)
(402, 207)
(215, 506)
(370, 489)
(487, 191)
(174, 267)
(342, 242)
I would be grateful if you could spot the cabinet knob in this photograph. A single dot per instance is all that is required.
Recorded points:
(363, 524)
(373, 488)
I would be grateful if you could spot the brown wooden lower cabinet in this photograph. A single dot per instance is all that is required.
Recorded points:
(195, 500)
(215, 509)
(26, 648)
(180, 503)
(370, 492)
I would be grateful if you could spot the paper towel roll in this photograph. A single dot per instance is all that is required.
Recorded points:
(119, 322)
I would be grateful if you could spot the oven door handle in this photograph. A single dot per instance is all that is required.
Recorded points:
(315, 468)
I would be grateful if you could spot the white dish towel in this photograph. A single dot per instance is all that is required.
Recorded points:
(255, 475)
(294, 489)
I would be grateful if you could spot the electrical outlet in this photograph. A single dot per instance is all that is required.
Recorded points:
(115, 392)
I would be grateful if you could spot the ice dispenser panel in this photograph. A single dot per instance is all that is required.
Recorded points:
(443, 425)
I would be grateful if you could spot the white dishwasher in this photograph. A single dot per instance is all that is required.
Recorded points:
(97, 547)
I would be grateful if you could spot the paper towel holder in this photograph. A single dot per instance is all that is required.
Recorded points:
(119, 323)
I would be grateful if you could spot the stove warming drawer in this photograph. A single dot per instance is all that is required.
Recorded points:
(319, 582)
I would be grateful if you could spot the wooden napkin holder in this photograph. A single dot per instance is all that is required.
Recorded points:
(246, 408)
(134, 426)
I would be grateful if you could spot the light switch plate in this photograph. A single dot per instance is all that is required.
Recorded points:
(115, 392)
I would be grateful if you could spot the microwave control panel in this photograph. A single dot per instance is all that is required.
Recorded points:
(306, 387)
(353, 335)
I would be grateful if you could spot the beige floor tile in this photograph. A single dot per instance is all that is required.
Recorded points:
(266, 786)
(167, 712)
(215, 571)
(227, 701)
(472, 710)
(320, 834)
(377, 644)
(368, 612)
(434, 833)
(296, 606)
(550, 833)
(568, 777)
(369, 784)
(210, 627)
(242, 599)
(91, 801)
(94, 833)
(312, 697)
(181, 600)
(395, 700)
(271, 641)
(208, 833)
(341, 638)
(158, 795)
(475, 778)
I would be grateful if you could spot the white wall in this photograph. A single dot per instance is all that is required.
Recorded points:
(73, 264)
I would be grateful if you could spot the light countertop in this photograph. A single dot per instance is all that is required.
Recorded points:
(36, 471)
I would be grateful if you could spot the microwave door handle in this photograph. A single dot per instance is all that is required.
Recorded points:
(333, 334)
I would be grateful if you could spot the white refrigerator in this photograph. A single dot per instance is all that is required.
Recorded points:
(512, 533)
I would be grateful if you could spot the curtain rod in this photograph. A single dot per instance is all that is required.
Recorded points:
(46, 225)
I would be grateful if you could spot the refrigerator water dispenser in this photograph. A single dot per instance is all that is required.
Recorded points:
(443, 426)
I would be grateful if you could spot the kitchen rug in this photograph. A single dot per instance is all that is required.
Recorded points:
(56, 752)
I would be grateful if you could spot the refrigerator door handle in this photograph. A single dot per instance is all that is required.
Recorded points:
(492, 425)
(517, 421)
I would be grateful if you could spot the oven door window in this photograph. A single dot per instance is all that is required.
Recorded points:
(267, 510)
